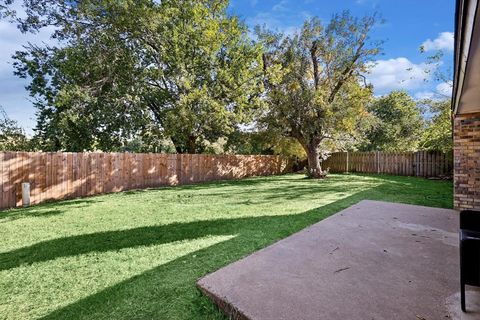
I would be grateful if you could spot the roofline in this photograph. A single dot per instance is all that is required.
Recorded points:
(456, 62)
(464, 25)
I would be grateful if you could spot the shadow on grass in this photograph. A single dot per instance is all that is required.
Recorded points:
(47, 209)
(144, 236)
(154, 235)
(168, 291)
(282, 188)
(161, 234)
(404, 188)
(246, 182)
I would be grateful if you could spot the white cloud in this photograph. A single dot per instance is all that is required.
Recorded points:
(444, 41)
(373, 3)
(280, 18)
(422, 95)
(445, 88)
(262, 18)
(396, 74)
(280, 6)
(442, 90)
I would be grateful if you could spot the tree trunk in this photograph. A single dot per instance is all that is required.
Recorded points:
(192, 144)
(185, 146)
(178, 149)
(178, 145)
(314, 170)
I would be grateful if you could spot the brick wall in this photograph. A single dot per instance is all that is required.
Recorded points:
(467, 161)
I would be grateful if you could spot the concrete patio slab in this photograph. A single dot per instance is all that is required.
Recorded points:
(374, 260)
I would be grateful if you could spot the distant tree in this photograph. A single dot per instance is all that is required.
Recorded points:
(438, 134)
(249, 142)
(147, 144)
(12, 136)
(398, 124)
(314, 81)
(186, 69)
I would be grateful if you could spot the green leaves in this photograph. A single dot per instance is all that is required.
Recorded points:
(438, 134)
(185, 69)
(398, 124)
(313, 82)
(12, 137)
(313, 79)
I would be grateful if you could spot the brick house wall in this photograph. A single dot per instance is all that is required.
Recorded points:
(467, 161)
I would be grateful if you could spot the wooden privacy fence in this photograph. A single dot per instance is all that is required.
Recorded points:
(421, 164)
(54, 176)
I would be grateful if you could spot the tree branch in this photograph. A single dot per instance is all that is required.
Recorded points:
(349, 69)
(313, 55)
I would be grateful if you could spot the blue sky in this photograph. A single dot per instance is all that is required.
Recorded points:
(408, 25)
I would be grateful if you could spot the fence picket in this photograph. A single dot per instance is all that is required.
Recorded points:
(422, 163)
(56, 175)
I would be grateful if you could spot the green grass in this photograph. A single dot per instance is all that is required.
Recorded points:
(138, 254)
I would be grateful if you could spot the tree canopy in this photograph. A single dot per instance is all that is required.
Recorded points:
(438, 134)
(183, 69)
(398, 124)
(186, 76)
(314, 81)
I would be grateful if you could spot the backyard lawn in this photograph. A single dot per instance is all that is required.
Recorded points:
(138, 254)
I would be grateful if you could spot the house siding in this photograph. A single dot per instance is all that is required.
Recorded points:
(467, 161)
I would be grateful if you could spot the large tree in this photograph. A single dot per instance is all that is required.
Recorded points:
(184, 69)
(316, 90)
(399, 123)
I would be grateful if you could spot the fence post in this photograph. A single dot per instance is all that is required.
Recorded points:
(347, 163)
(415, 164)
(377, 159)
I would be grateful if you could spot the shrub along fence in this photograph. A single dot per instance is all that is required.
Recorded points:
(54, 176)
(420, 164)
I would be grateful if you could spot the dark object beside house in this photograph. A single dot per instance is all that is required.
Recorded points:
(469, 251)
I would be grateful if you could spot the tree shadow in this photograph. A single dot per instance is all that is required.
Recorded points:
(280, 189)
(47, 209)
(264, 186)
(62, 175)
(130, 238)
(244, 182)
(168, 291)
(153, 235)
